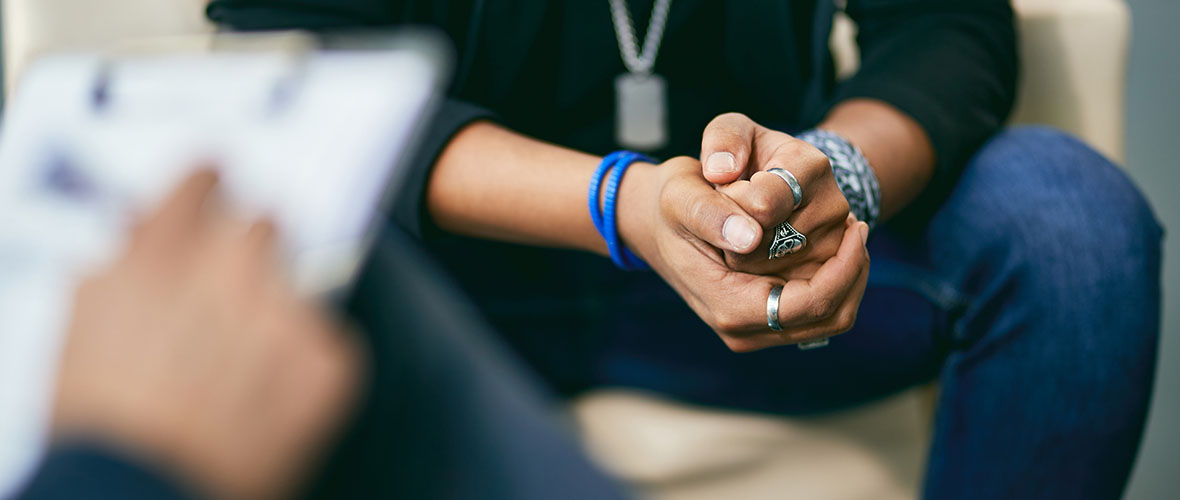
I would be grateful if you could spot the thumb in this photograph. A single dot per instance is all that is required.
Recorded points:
(717, 220)
(725, 147)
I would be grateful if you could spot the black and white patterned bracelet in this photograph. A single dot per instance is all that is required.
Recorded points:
(853, 174)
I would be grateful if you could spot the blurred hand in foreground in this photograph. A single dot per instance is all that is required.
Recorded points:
(191, 352)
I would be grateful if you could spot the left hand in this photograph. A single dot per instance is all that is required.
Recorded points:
(736, 152)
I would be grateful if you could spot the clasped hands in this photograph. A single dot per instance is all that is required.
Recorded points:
(706, 226)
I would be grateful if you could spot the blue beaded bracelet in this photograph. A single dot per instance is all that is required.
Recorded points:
(604, 219)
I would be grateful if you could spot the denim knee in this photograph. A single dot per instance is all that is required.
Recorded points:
(1054, 188)
(1064, 232)
(1058, 256)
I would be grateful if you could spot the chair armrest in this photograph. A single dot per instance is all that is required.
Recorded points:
(1073, 67)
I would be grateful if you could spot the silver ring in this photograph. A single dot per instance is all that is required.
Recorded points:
(772, 319)
(772, 309)
(814, 344)
(796, 189)
(787, 240)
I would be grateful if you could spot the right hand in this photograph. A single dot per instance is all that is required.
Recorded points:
(191, 352)
(739, 152)
(676, 221)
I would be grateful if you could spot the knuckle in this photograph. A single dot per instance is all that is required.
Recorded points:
(670, 198)
(821, 308)
(699, 209)
(845, 322)
(667, 191)
(761, 207)
(811, 156)
(738, 345)
(833, 210)
(680, 168)
(842, 208)
(727, 324)
(815, 158)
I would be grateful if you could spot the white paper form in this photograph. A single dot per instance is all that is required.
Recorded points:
(311, 141)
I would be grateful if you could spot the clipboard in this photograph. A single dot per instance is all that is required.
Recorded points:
(315, 139)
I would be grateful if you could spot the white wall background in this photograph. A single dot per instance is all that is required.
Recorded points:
(1153, 157)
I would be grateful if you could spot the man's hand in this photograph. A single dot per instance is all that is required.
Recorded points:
(193, 353)
(736, 153)
(679, 224)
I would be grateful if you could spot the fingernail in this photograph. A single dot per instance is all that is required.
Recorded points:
(720, 163)
(864, 233)
(738, 232)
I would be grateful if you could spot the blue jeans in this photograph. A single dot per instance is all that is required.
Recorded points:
(1032, 298)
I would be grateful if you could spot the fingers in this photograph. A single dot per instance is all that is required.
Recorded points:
(840, 322)
(766, 197)
(711, 216)
(821, 297)
(807, 163)
(261, 238)
(249, 250)
(185, 203)
(726, 147)
(194, 231)
(179, 216)
(821, 307)
(846, 318)
(734, 146)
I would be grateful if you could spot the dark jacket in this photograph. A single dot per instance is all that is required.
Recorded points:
(545, 68)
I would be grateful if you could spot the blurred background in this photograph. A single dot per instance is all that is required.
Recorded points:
(1153, 122)
(1152, 126)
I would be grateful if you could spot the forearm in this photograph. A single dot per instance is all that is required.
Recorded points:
(898, 149)
(496, 184)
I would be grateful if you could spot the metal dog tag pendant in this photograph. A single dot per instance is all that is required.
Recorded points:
(641, 112)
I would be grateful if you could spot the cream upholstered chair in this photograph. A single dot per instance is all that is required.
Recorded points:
(1074, 56)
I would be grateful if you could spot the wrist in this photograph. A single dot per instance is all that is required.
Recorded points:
(854, 176)
(637, 197)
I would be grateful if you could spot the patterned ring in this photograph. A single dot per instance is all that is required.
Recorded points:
(787, 240)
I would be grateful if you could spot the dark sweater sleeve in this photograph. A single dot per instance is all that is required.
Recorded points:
(409, 209)
(85, 471)
(949, 64)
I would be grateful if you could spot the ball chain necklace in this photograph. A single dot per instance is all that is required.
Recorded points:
(640, 95)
